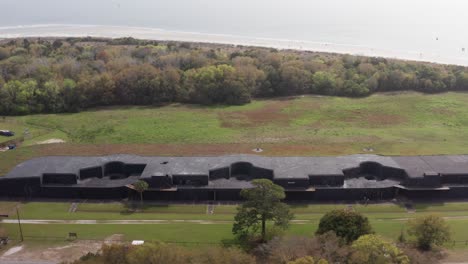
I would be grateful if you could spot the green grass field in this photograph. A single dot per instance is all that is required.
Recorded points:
(195, 234)
(394, 124)
(390, 124)
(387, 220)
(311, 212)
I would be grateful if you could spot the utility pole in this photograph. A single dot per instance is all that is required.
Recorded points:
(19, 224)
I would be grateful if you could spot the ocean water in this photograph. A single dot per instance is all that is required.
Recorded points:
(434, 30)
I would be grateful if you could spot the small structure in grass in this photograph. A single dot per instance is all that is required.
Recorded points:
(3, 236)
(72, 236)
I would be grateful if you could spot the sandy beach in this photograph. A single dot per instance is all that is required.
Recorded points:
(160, 34)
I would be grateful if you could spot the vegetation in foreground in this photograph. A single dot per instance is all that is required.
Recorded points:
(67, 75)
(387, 220)
(343, 237)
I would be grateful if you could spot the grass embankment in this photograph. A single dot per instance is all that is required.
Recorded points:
(387, 220)
(398, 124)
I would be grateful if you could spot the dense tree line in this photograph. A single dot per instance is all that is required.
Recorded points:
(67, 75)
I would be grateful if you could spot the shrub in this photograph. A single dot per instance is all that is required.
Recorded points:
(429, 231)
(346, 224)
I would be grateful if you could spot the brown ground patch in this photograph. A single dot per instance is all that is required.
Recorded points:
(60, 252)
(456, 256)
(442, 111)
(272, 113)
(183, 149)
(375, 119)
(317, 125)
(385, 119)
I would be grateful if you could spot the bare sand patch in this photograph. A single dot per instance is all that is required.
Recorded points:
(12, 251)
(56, 254)
(51, 141)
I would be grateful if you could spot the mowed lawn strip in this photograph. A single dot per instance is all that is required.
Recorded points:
(197, 234)
(441, 207)
(119, 211)
(147, 208)
(177, 232)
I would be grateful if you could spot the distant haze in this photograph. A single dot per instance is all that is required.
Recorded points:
(435, 27)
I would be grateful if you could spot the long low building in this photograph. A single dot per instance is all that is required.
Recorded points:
(354, 177)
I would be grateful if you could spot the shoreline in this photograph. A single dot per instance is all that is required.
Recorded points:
(57, 30)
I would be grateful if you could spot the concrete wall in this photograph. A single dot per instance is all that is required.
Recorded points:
(59, 179)
(190, 180)
(326, 180)
(160, 181)
(92, 172)
(112, 168)
(220, 173)
(22, 187)
(292, 183)
(85, 193)
(454, 178)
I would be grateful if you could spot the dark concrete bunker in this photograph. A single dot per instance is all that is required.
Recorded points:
(355, 177)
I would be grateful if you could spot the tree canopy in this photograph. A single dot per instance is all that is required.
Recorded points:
(73, 74)
(346, 224)
(141, 186)
(308, 260)
(263, 204)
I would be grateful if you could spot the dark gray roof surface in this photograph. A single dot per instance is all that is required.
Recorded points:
(284, 167)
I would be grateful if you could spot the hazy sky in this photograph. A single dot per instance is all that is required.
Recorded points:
(175, 13)
(412, 25)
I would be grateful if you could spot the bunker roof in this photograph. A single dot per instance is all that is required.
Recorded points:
(283, 167)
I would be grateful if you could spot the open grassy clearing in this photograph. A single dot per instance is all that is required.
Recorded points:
(387, 220)
(392, 124)
(195, 234)
(407, 121)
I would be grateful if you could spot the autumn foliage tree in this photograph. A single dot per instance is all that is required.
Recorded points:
(141, 72)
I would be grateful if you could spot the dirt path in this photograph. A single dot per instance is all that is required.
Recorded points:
(172, 221)
(126, 222)
(112, 222)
